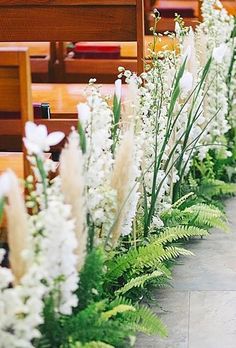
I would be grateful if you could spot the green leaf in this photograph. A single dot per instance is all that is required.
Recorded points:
(138, 282)
(82, 137)
(122, 308)
(2, 202)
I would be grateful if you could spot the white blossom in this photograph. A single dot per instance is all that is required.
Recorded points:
(219, 53)
(37, 140)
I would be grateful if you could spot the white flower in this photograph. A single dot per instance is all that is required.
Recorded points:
(37, 139)
(5, 182)
(186, 82)
(83, 113)
(219, 53)
(177, 28)
(118, 89)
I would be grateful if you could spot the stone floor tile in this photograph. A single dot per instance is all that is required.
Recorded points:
(173, 309)
(212, 322)
(212, 268)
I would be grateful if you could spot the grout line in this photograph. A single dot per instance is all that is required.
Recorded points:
(189, 308)
(202, 290)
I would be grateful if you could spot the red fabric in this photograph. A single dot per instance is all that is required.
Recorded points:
(96, 47)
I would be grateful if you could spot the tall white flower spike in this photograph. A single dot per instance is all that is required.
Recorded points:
(37, 140)
(219, 53)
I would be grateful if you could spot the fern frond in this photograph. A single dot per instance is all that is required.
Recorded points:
(213, 188)
(174, 252)
(144, 320)
(138, 282)
(122, 308)
(150, 257)
(182, 200)
(208, 215)
(172, 234)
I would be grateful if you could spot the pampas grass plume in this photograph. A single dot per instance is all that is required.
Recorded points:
(121, 179)
(72, 181)
(17, 228)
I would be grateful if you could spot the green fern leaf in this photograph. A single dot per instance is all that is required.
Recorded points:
(147, 322)
(208, 215)
(118, 309)
(138, 282)
(172, 234)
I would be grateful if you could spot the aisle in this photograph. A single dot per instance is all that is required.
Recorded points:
(200, 310)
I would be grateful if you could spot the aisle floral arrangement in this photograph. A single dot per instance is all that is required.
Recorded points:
(136, 180)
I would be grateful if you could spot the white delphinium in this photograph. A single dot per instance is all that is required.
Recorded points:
(191, 98)
(231, 81)
(155, 97)
(217, 26)
(20, 308)
(54, 237)
(96, 121)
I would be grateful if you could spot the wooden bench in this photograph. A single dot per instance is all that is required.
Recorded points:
(63, 97)
(106, 70)
(16, 96)
(190, 11)
(42, 58)
(74, 20)
(15, 90)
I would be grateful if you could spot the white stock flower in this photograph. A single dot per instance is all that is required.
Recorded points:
(37, 140)
(58, 249)
(219, 53)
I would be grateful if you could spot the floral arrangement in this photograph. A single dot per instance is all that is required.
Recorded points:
(139, 176)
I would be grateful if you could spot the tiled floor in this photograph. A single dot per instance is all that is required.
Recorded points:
(200, 309)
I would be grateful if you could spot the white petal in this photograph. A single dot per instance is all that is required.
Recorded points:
(30, 129)
(118, 89)
(219, 53)
(42, 131)
(83, 113)
(55, 138)
(32, 147)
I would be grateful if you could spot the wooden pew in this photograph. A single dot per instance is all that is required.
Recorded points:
(16, 97)
(167, 23)
(74, 20)
(15, 89)
(42, 59)
(63, 97)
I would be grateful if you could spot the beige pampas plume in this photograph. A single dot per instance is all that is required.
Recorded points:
(121, 179)
(201, 46)
(73, 188)
(17, 227)
(189, 50)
